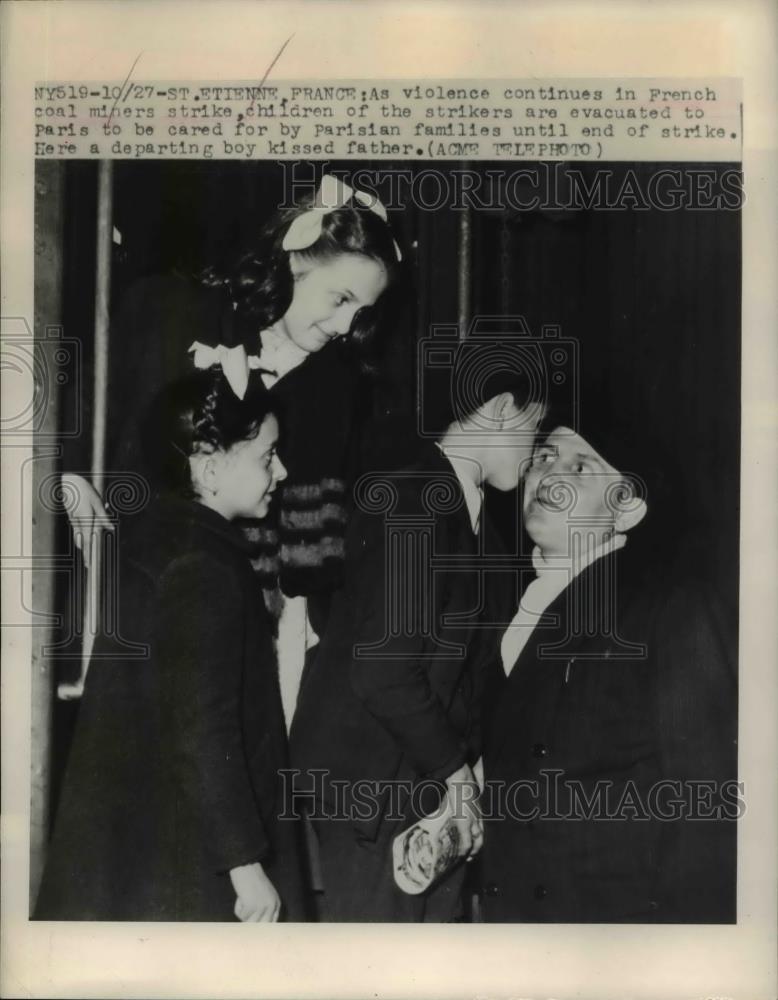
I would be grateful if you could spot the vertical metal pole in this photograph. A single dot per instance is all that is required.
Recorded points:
(49, 224)
(102, 313)
(465, 271)
(464, 317)
(102, 321)
(505, 261)
(100, 399)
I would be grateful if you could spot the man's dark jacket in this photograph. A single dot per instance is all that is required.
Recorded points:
(627, 686)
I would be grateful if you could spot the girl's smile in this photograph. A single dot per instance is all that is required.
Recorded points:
(327, 297)
(241, 481)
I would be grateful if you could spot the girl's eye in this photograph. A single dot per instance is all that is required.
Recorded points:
(340, 299)
(542, 458)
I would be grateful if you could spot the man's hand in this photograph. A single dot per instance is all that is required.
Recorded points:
(258, 901)
(463, 794)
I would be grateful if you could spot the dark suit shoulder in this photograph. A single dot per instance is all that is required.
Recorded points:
(428, 488)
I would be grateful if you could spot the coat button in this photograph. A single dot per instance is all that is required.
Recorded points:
(540, 891)
(540, 750)
(492, 890)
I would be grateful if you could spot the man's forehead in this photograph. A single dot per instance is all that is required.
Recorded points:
(567, 441)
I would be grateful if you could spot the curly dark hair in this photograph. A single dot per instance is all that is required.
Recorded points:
(261, 285)
(199, 412)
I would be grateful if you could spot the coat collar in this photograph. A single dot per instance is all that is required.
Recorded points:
(433, 463)
(474, 497)
(189, 515)
(576, 615)
(583, 606)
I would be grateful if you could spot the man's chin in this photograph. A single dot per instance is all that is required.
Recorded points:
(534, 524)
(532, 514)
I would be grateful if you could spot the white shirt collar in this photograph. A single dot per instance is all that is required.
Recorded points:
(277, 356)
(474, 496)
(576, 562)
(554, 573)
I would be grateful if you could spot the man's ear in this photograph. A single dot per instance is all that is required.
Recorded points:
(629, 509)
(625, 520)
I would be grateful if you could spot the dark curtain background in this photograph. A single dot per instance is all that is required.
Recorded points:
(652, 298)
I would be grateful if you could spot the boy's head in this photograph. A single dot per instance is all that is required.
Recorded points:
(488, 404)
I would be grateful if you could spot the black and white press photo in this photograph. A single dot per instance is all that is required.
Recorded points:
(389, 514)
(388, 410)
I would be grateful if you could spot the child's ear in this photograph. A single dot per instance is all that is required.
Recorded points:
(204, 471)
(503, 407)
(510, 416)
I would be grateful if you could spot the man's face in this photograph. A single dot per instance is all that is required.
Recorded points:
(569, 488)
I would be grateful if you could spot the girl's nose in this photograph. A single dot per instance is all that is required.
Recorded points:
(279, 469)
(343, 318)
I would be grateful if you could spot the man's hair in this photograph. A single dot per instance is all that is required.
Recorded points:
(620, 429)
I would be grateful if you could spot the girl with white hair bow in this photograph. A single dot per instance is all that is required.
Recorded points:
(302, 307)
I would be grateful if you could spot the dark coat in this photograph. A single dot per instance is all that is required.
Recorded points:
(628, 682)
(173, 775)
(318, 403)
(159, 318)
(394, 689)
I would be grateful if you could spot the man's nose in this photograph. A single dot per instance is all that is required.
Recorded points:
(557, 491)
(525, 468)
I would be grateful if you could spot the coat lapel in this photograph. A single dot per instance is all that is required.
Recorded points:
(455, 555)
(579, 623)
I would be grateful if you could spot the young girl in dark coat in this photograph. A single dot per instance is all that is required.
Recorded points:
(303, 307)
(172, 798)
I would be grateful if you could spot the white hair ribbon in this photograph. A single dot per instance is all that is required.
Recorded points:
(233, 360)
(333, 193)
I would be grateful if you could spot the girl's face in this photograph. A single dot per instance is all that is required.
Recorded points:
(327, 296)
(240, 482)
